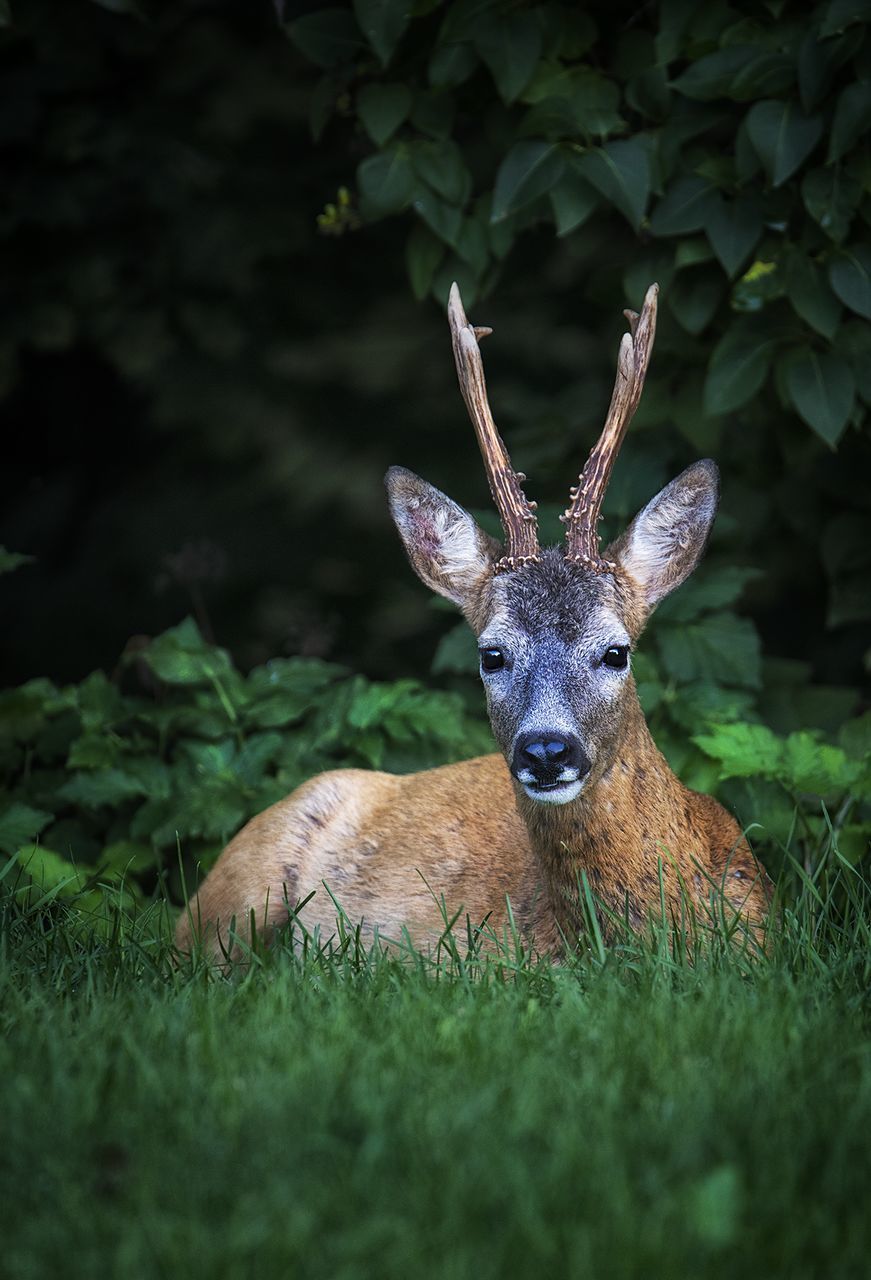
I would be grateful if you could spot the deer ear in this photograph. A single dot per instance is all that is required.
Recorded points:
(665, 541)
(446, 548)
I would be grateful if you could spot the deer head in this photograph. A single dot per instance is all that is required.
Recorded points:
(556, 626)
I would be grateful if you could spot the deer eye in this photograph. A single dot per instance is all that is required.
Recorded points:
(492, 659)
(616, 657)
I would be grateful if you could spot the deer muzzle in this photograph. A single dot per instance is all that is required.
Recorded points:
(551, 767)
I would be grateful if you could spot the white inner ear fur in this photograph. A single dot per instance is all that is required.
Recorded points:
(447, 549)
(458, 550)
(665, 541)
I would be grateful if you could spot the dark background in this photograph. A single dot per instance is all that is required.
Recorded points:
(201, 392)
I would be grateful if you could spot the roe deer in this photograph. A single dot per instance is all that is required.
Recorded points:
(579, 786)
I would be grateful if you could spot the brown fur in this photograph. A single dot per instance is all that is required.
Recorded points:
(391, 848)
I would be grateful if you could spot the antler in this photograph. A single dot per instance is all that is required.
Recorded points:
(582, 516)
(515, 512)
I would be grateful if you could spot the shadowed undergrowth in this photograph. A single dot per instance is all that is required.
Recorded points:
(329, 1108)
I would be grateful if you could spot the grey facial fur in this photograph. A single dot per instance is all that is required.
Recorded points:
(554, 621)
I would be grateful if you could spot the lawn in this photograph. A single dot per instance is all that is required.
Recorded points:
(353, 1114)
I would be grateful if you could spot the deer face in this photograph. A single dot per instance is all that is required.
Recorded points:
(555, 661)
(554, 637)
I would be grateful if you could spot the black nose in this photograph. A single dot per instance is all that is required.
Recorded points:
(547, 752)
(547, 755)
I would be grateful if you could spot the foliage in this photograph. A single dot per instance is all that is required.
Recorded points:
(704, 129)
(112, 784)
(724, 149)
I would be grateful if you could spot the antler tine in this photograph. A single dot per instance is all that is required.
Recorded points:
(582, 517)
(515, 512)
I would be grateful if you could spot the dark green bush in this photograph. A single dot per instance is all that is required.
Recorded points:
(118, 784)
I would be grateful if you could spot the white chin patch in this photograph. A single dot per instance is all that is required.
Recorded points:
(562, 794)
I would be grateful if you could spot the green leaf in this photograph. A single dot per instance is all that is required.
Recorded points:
(845, 549)
(94, 750)
(852, 119)
(854, 342)
(181, 656)
(808, 291)
(383, 23)
(854, 737)
(100, 702)
(433, 114)
(572, 200)
(20, 823)
(442, 218)
(818, 63)
(52, 872)
(699, 704)
(811, 766)
(850, 277)
(747, 162)
(821, 388)
(742, 750)
(510, 45)
(694, 297)
(127, 857)
(573, 102)
(595, 103)
(327, 37)
(841, 14)
(831, 198)
(106, 787)
(734, 228)
(457, 652)
(451, 65)
(529, 170)
(737, 369)
(440, 165)
(712, 76)
(760, 284)
(382, 109)
(685, 207)
(720, 648)
(386, 181)
(465, 18)
(767, 72)
(690, 252)
(649, 93)
(620, 171)
(10, 560)
(709, 589)
(423, 253)
(471, 244)
(259, 751)
(782, 136)
(674, 16)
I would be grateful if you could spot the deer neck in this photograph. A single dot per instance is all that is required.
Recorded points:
(614, 832)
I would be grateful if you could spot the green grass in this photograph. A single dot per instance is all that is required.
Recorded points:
(353, 1114)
